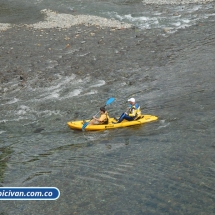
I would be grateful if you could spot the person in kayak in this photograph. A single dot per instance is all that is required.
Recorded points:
(134, 112)
(103, 119)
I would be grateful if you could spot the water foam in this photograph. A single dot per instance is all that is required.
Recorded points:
(173, 19)
(74, 93)
(175, 2)
(24, 112)
(54, 91)
(12, 101)
(14, 119)
(99, 83)
(90, 93)
(1, 132)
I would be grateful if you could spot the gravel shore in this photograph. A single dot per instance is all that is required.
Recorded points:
(61, 20)
(54, 20)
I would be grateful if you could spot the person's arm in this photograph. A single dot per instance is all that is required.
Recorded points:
(100, 119)
(133, 111)
(97, 119)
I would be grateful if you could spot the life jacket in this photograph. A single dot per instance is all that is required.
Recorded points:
(135, 111)
(106, 120)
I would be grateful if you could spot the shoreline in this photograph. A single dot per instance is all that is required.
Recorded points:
(62, 20)
(55, 19)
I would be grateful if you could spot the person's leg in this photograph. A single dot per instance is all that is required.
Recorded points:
(121, 118)
(129, 118)
(125, 116)
(93, 122)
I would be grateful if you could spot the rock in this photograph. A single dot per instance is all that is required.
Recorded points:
(108, 146)
(166, 30)
(38, 130)
(5, 90)
(66, 38)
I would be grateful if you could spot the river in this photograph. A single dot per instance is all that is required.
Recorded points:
(52, 76)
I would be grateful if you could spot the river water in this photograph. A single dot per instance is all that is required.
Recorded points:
(164, 167)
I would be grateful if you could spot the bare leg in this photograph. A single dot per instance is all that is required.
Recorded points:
(93, 122)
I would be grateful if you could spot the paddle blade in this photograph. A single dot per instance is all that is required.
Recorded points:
(109, 101)
(85, 125)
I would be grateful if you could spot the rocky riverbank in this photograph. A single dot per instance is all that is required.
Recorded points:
(60, 20)
(54, 19)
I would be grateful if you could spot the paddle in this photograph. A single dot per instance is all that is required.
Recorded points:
(109, 101)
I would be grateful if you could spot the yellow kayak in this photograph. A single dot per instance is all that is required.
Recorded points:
(77, 125)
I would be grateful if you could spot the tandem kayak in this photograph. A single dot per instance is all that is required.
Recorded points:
(77, 125)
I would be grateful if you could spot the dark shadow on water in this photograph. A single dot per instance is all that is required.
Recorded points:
(4, 156)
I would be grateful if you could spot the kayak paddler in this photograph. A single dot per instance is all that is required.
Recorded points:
(103, 119)
(133, 113)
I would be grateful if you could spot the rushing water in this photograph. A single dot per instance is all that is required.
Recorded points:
(165, 167)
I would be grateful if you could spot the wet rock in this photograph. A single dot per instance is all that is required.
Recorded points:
(66, 38)
(108, 146)
(21, 77)
(38, 130)
(116, 52)
(175, 14)
(5, 90)
(101, 42)
(166, 30)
